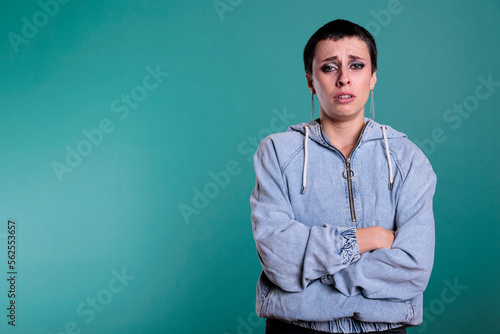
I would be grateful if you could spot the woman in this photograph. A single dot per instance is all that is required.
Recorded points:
(342, 207)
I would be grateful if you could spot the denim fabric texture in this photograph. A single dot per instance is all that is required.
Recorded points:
(313, 275)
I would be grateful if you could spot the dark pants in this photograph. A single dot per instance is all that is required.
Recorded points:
(274, 326)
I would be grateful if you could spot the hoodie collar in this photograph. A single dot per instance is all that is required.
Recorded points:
(372, 131)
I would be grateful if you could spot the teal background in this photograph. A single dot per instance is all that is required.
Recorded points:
(120, 207)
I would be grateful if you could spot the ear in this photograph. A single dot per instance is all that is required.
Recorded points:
(310, 84)
(373, 80)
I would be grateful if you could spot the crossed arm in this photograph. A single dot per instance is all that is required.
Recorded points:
(402, 271)
(374, 262)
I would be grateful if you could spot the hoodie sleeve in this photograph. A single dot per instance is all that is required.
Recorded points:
(291, 253)
(321, 303)
(402, 272)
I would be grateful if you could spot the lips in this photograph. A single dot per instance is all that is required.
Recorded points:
(344, 97)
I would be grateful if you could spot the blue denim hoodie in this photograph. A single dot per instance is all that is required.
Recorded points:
(307, 203)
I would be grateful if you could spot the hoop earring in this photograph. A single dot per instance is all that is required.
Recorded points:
(372, 106)
(312, 107)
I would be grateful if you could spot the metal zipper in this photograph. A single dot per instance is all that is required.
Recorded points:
(348, 173)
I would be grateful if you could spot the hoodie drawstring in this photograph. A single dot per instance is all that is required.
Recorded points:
(304, 172)
(391, 180)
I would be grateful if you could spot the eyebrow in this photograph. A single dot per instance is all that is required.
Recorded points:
(349, 56)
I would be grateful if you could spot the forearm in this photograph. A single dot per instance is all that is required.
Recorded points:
(292, 254)
(384, 274)
(320, 302)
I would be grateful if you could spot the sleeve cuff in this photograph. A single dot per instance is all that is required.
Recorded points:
(349, 252)
(350, 249)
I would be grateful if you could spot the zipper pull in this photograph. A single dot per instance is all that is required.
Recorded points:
(348, 173)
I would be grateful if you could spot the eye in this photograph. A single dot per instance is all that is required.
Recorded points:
(328, 67)
(357, 66)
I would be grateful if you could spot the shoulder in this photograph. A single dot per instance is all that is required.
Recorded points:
(406, 149)
(409, 156)
(284, 140)
(282, 146)
(406, 154)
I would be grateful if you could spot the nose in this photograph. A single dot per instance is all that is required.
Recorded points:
(343, 78)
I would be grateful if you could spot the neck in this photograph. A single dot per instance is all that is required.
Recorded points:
(343, 134)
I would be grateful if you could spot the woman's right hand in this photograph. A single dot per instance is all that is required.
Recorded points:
(374, 237)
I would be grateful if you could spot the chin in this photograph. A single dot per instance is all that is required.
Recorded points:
(345, 114)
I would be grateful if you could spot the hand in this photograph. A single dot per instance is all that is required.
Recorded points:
(375, 237)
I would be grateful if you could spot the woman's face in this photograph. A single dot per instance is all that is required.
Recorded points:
(342, 78)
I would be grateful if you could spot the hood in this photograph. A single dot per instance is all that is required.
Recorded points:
(371, 131)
